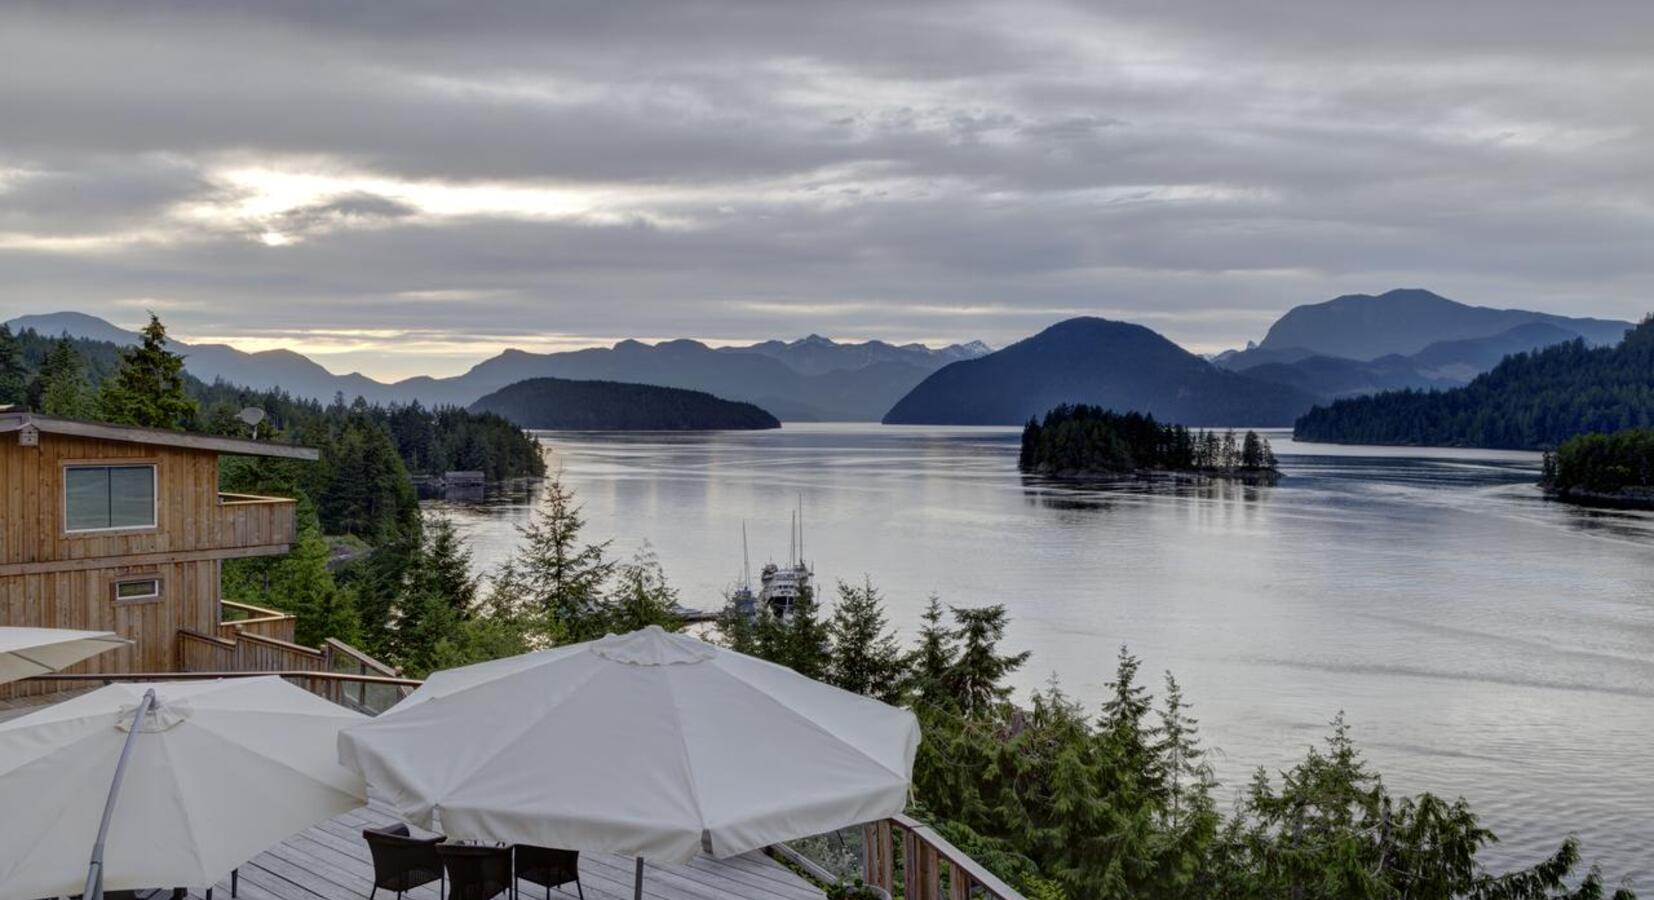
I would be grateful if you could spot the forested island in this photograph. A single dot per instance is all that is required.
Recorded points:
(565, 404)
(1081, 441)
(1530, 401)
(1603, 469)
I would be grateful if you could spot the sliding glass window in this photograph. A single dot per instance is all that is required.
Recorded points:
(101, 498)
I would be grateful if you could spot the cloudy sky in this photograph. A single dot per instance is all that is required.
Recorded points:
(410, 187)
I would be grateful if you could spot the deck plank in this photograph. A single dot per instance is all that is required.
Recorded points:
(330, 861)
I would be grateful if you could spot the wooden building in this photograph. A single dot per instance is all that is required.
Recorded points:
(124, 529)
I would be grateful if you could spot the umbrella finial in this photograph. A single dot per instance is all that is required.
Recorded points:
(653, 646)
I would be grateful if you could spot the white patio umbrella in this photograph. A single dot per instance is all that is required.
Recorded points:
(219, 772)
(25, 652)
(648, 744)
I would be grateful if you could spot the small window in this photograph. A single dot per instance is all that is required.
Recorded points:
(137, 589)
(101, 498)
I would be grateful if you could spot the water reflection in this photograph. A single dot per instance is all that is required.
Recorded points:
(1102, 493)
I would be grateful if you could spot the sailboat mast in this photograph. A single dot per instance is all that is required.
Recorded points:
(746, 562)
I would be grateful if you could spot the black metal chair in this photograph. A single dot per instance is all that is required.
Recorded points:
(402, 862)
(476, 872)
(548, 866)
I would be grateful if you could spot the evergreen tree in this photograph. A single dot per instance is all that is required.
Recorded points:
(446, 566)
(13, 373)
(1251, 451)
(738, 630)
(1186, 818)
(425, 624)
(367, 491)
(769, 636)
(934, 657)
(866, 659)
(383, 583)
(61, 388)
(148, 388)
(976, 680)
(805, 645)
(560, 576)
(641, 596)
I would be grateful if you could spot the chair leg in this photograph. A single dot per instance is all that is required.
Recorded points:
(235, 882)
(372, 892)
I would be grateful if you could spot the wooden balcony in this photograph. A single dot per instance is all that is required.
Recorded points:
(248, 520)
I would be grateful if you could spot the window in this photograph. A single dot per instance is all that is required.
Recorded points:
(99, 498)
(135, 589)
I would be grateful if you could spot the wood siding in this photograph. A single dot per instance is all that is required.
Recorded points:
(190, 515)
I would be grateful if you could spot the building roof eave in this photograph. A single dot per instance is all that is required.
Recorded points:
(11, 421)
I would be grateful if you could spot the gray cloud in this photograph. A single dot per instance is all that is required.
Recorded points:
(508, 172)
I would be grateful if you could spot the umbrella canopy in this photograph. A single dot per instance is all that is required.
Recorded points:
(25, 652)
(647, 744)
(220, 771)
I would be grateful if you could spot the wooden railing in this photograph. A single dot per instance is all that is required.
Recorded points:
(931, 868)
(363, 694)
(248, 520)
(352, 678)
(244, 618)
(331, 685)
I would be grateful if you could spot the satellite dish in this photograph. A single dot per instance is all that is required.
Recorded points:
(250, 417)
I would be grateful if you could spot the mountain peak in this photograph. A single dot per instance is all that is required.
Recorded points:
(1405, 321)
(74, 324)
(1117, 365)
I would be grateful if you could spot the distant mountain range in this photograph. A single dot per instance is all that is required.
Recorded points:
(1116, 365)
(1404, 322)
(558, 403)
(816, 355)
(1353, 345)
(813, 378)
(1451, 343)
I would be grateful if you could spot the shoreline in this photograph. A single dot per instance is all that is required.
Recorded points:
(1640, 500)
(1193, 476)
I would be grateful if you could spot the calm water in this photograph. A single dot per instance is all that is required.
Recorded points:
(1481, 641)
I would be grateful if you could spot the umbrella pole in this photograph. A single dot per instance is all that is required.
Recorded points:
(94, 872)
(637, 887)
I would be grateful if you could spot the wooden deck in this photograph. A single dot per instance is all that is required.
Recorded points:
(330, 862)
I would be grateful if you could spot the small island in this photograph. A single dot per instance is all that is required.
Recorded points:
(1083, 442)
(1613, 470)
(562, 404)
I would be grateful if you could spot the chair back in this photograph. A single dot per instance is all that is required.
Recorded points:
(547, 865)
(402, 862)
(476, 872)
